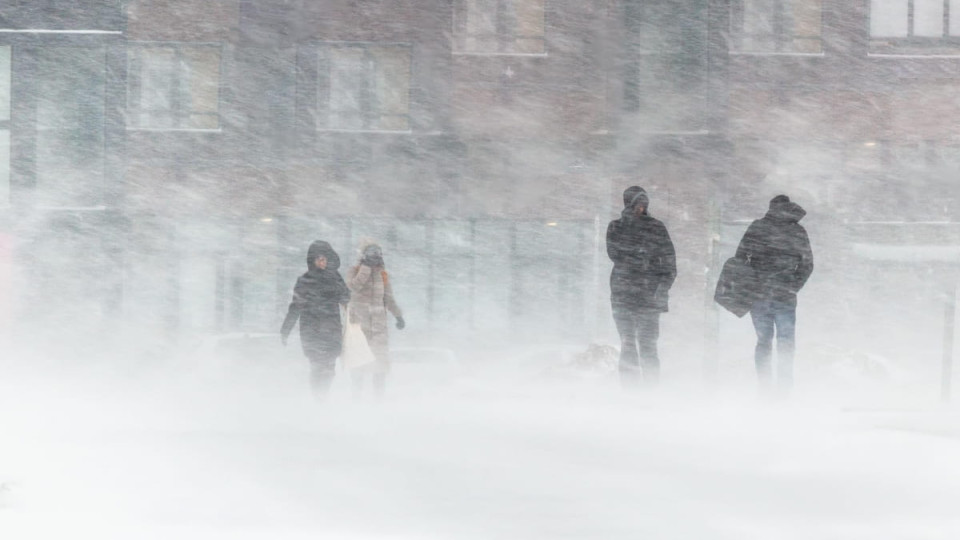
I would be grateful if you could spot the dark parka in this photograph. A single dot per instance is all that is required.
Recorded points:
(778, 249)
(317, 297)
(644, 259)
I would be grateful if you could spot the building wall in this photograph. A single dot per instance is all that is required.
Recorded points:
(532, 146)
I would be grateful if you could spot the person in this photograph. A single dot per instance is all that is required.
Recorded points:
(644, 269)
(778, 251)
(371, 299)
(317, 299)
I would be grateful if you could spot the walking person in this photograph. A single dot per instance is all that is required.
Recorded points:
(778, 251)
(317, 298)
(371, 299)
(644, 268)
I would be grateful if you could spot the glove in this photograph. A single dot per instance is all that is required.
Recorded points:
(400, 323)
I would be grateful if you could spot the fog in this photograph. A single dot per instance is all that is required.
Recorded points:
(165, 164)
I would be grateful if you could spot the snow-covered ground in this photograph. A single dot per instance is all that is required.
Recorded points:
(493, 451)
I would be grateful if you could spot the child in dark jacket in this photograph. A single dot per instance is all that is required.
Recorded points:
(317, 298)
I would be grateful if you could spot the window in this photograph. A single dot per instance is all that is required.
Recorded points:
(499, 26)
(70, 86)
(173, 86)
(777, 26)
(914, 18)
(364, 87)
(5, 57)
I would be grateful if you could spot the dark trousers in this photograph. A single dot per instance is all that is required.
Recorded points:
(639, 330)
(769, 318)
(323, 366)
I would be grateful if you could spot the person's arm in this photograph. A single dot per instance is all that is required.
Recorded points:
(390, 302)
(344, 291)
(805, 268)
(749, 244)
(358, 276)
(668, 260)
(614, 249)
(293, 313)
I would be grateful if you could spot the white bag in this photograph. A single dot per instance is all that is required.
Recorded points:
(356, 351)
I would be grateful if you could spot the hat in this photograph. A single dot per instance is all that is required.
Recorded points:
(319, 248)
(779, 200)
(635, 196)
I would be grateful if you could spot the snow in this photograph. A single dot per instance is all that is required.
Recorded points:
(246, 454)
(909, 254)
(144, 392)
(57, 31)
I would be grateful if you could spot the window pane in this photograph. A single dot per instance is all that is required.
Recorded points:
(4, 83)
(201, 79)
(758, 21)
(928, 18)
(158, 71)
(807, 19)
(481, 26)
(203, 121)
(530, 26)
(392, 87)
(888, 18)
(347, 74)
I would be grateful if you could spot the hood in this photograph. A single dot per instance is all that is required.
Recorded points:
(633, 196)
(364, 244)
(786, 211)
(318, 248)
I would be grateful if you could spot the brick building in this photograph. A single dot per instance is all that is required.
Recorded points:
(180, 154)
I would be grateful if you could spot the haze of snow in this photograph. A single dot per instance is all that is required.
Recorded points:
(506, 448)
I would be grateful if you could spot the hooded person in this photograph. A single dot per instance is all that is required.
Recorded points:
(778, 250)
(371, 299)
(644, 269)
(317, 298)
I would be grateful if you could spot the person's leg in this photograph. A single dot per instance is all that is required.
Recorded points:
(629, 357)
(356, 378)
(786, 321)
(763, 323)
(648, 332)
(380, 368)
(322, 371)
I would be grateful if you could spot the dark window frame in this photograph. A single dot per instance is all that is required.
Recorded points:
(913, 40)
(180, 114)
(505, 37)
(368, 113)
(781, 39)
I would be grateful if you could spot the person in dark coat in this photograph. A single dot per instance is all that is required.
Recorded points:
(778, 249)
(317, 298)
(644, 268)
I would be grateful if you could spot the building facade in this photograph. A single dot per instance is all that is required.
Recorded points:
(165, 163)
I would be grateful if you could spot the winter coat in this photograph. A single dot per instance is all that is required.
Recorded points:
(317, 297)
(644, 263)
(778, 249)
(371, 299)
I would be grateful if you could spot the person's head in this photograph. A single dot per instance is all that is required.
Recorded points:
(779, 201)
(635, 199)
(372, 255)
(321, 256)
